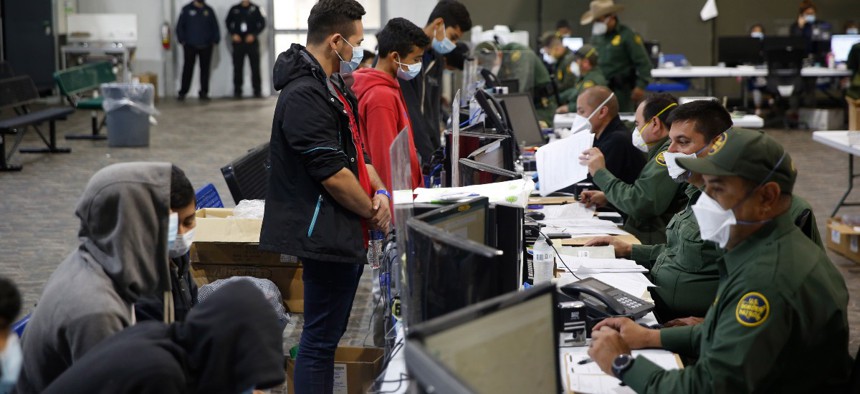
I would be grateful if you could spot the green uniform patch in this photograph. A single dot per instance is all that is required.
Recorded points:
(753, 309)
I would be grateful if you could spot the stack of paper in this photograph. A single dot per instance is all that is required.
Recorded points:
(514, 192)
(567, 211)
(596, 266)
(588, 378)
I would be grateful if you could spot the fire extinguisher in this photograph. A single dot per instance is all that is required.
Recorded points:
(165, 36)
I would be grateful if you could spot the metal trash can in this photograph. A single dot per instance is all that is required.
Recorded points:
(127, 109)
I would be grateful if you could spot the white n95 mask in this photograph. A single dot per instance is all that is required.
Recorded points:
(574, 69)
(549, 59)
(182, 244)
(677, 173)
(715, 222)
(581, 123)
(638, 141)
(599, 28)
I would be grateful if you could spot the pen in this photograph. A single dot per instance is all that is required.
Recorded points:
(585, 361)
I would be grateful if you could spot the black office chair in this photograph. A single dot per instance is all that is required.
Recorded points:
(784, 81)
(248, 176)
(854, 380)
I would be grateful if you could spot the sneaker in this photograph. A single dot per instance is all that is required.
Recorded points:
(258, 95)
(237, 95)
(204, 97)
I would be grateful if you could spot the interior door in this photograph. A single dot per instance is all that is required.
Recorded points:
(28, 39)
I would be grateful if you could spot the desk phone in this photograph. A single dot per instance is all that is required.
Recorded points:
(602, 300)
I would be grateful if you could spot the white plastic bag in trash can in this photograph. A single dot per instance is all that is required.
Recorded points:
(141, 96)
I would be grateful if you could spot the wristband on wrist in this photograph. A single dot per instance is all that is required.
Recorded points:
(385, 193)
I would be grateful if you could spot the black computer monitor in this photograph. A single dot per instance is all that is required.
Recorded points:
(476, 173)
(507, 344)
(450, 264)
(734, 51)
(472, 141)
(248, 176)
(513, 85)
(522, 118)
(495, 116)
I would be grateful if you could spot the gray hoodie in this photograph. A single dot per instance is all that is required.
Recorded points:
(122, 256)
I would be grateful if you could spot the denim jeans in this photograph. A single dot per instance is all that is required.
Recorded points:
(329, 293)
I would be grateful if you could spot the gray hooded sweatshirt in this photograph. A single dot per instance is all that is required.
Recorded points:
(122, 256)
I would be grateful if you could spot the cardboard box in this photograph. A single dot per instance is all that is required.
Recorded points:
(219, 240)
(843, 239)
(355, 369)
(853, 113)
(224, 248)
(822, 119)
(149, 78)
(288, 279)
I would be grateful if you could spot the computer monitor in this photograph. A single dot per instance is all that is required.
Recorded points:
(841, 45)
(494, 115)
(248, 176)
(734, 51)
(513, 85)
(572, 43)
(476, 173)
(450, 264)
(522, 118)
(507, 344)
(472, 141)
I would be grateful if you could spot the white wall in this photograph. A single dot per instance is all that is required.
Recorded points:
(416, 11)
(149, 57)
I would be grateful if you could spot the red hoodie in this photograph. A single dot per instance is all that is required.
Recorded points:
(382, 114)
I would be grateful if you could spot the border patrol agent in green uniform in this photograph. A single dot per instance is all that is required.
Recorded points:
(684, 269)
(585, 62)
(779, 321)
(652, 200)
(520, 62)
(558, 59)
(623, 58)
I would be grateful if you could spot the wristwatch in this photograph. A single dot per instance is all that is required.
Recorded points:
(621, 364)
(384, 193)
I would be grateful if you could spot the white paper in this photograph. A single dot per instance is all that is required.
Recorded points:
(602, 265)
(514, 192)
(588, 378)
(558, 162)
(709, 11)
(567, 211)
(595, 252)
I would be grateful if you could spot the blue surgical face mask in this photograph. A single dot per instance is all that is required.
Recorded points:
(445, 46)
(412, 70)
(172, 229)
(757, 34)
(809, 18)
(352, 64)
(852, 30)
(10, 363)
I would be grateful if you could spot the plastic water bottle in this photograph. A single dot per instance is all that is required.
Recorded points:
(542, 261)
(374, 249)
(661, 60)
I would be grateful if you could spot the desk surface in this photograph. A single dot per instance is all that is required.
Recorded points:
(836, 140)
(746, 72)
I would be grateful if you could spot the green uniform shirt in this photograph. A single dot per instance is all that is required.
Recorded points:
(625, 63)
(650, 202)
(684, 269)
(853, 63)
(521, 63)
(566, 79)
(592, 78)
(778, 324)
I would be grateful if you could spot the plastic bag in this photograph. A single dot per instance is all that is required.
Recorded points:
(249, 209)
(269, 289)
(139, 96)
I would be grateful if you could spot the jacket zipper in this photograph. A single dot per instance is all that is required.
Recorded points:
(316, 214)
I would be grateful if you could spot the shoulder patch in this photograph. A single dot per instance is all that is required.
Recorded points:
(719, 143)
(587, 84)
(515, 57)
(660, 159)
(638, 39)
(616, 41)
(752, 310)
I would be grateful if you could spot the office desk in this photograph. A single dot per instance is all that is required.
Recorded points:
(839, 140)
(743, 72)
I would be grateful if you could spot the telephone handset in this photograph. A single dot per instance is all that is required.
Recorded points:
(603, 300)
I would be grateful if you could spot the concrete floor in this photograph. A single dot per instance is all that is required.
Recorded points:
(38, 227)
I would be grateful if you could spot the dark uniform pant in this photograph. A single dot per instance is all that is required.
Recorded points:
(240, 51)
(191, 53)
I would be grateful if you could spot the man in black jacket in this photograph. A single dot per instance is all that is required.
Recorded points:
(610, 135)
(447, 23)
(197, 31)
(324, 195)
(245, 22)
